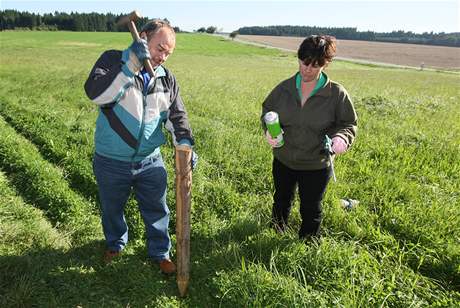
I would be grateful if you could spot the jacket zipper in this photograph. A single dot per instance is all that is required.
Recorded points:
(141, 131)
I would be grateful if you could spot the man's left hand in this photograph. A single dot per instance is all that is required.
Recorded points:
(194, 159)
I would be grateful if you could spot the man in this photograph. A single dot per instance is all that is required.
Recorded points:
(133, 108)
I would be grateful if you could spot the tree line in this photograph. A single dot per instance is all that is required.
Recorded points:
(429, 38)
(12, 19)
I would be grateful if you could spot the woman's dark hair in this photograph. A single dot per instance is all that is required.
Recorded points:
(317, 50)
(154, 25)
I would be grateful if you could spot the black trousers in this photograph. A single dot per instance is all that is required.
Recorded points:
(312, 186)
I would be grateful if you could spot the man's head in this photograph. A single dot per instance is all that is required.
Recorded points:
(314, 54)
(161, 40)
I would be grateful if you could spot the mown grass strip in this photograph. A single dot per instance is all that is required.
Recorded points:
(43, 185)
(68, 147)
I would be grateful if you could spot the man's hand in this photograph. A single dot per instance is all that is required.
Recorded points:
(339, 145)
(194, 159)
(134, 57)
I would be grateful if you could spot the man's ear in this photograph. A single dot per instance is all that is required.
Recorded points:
(143, 35)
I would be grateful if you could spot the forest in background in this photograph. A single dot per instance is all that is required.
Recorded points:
(350, 33)
(15, 20)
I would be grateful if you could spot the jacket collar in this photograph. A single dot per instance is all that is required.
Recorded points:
(142, 75)
(160, 71)
(326, 91)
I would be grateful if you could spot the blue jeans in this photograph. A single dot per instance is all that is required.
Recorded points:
(148, 179)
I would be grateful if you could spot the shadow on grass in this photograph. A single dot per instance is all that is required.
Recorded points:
(223, 253)
(441, 265)
(78, 277)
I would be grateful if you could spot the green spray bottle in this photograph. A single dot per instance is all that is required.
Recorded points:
(274, 129)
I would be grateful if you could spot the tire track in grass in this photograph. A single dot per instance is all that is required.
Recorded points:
(56, 143)
(43, 185)
(69, 150)
(24, 227)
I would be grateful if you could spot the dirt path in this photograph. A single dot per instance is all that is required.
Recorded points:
(440, 57)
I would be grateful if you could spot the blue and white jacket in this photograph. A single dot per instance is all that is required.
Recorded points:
(131, 114)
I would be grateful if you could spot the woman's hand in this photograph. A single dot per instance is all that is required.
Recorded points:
(339, 145)
(272, 142)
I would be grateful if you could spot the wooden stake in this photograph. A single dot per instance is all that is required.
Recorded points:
(183, 206)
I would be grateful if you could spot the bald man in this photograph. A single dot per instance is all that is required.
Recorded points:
(133, 108)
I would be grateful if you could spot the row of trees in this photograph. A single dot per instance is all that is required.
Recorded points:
(210, 29)
(12, 19)
(444, 39)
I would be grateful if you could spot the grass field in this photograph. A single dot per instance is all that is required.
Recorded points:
(400, 247)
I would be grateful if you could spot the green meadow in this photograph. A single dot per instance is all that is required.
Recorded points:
(400, 247)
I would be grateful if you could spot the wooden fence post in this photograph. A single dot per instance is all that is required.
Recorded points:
(183, 207)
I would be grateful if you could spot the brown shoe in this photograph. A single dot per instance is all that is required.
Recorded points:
(109, 255)
(167, 266)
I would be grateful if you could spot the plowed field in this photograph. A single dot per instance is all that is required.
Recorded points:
(440, 57)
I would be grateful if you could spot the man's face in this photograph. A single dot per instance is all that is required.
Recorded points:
(309, 72)
(161, 46)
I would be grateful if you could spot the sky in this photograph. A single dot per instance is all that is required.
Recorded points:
(375, 15)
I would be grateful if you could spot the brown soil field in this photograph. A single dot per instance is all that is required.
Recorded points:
(438, 57)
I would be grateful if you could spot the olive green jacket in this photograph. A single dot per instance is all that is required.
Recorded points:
(327, 112)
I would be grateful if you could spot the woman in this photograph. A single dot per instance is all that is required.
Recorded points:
(310, 107)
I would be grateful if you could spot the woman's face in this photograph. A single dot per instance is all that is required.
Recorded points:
(310, 72)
